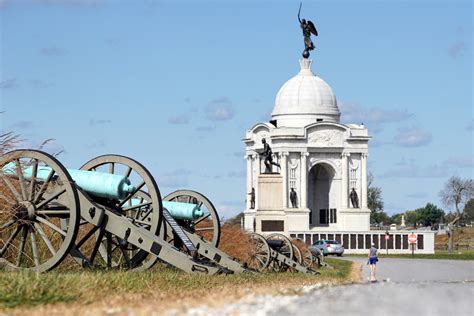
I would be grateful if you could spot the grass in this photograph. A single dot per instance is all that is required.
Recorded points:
(82, 286)
(439, 254)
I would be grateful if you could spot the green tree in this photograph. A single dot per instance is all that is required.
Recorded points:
(396, 218)
(469, 210)
(411, 218)
(429, 215)
(375, 203)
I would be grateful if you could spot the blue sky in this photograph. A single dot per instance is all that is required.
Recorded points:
(175, 84)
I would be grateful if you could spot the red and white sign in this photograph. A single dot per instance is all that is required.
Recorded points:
(412, 238)
(387, 237)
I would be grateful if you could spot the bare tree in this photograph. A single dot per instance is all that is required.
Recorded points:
(457, 192)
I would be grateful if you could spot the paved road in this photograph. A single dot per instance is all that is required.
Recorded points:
(411, 287)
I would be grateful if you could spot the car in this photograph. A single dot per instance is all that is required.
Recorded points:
(327, 247)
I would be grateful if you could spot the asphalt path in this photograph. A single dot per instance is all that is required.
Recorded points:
(405, 287)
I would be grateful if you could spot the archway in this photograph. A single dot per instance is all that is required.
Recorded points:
(320, 181)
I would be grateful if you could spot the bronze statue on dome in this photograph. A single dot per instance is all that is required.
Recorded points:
(308, 29)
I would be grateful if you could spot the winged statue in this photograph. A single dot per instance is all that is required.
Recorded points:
(308, 29)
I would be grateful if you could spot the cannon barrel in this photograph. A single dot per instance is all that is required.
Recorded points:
(106, 185)
(110, 186)
(178, 210)
(275, 244)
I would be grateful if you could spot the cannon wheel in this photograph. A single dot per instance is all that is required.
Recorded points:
(31, 210)
(286, 249)
(210, 220)
(306, 255)
(297, 254)
(259, 258)
(208, 226)
(113, 251)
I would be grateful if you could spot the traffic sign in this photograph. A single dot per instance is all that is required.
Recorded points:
(412, 238)
(387, 237)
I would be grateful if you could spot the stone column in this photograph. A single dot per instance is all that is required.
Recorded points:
(304, 180)
(363, 160)
(249, 179)
(256, 167)
(345, 180)
(284, 175)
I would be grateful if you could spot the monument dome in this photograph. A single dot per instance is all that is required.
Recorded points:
(305, 99)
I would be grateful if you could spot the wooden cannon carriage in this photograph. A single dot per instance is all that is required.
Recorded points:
(278, 253)
(107, 214)
(99, 225)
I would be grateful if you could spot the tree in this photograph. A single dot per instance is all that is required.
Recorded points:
(375, 203)
(396, 218)
(468, 211)
(236, 220)
(457, 192)
(411, 218)
(429, 215)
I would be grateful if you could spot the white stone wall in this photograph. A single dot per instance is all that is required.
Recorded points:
(355, 244)
(341, 148)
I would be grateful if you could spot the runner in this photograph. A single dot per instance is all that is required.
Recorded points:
(373, 258)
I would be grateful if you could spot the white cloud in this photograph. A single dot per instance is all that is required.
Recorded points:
(412, 137)
(220, 109)
(9, 83)
(355, 113)
(178, 119)
(53, 51)
(409, 169)
(457, 49)
(176, 179)
(460, 161)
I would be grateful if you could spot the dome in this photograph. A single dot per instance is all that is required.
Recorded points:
(305, 99)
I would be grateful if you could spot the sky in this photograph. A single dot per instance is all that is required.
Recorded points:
(175, 85)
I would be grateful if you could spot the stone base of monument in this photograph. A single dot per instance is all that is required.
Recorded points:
(270, 192)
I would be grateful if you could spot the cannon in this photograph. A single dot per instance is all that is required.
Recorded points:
(196, 236)
(48, 212)
(306, 257)
(278, 253)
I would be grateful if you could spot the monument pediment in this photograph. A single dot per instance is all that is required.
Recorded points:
(326, 136)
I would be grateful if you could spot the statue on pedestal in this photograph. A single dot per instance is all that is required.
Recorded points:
(268, 155)
(354, 198)
(252, 198)
(308, 29)
(293, 198)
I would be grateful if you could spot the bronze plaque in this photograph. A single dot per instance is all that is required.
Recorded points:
(272, 226)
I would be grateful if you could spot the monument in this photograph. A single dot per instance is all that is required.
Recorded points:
(307, 171)
(306, 149)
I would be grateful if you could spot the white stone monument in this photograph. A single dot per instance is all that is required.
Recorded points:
(320, 158)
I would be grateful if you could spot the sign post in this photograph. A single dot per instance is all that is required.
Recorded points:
(387, 237)
(412, 239)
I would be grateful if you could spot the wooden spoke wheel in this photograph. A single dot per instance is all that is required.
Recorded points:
(298, 257)
(36, 195)
(306, 255)
(285, 247)
(208, 225)
(259, 257)
(143, 207)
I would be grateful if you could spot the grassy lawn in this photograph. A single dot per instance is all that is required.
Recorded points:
(439, 254)
(160, 283)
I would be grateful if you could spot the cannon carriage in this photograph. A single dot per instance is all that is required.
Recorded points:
(109, 214)
(278, 253)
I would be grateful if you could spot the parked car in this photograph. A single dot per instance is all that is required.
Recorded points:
(327, 247)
